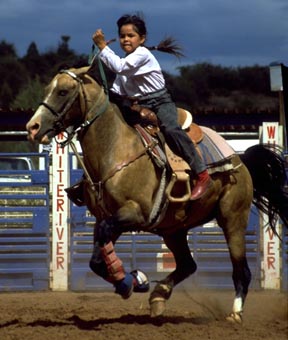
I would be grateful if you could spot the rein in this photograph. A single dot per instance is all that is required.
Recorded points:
(95, 113)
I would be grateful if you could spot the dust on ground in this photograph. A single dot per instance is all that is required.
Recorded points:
(104, 315)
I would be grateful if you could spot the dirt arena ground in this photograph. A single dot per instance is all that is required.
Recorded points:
(103, 315)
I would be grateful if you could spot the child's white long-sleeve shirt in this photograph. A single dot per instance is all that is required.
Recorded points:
(137, 74)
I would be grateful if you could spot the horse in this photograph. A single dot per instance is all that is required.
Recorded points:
(125, 189)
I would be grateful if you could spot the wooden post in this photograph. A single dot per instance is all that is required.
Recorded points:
(271, 134)
(60, 212)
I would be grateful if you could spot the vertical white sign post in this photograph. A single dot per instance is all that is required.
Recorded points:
(60, 205)
(271, 134)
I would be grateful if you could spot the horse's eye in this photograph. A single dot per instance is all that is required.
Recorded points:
(62, 93)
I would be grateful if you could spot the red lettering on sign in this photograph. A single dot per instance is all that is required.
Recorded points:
(270, 234)
(59, 248)
(272, 142)
(60, 137)
(271, 131)
(60, 232)
(59, 262)
(60, 203)
(60, 161)
(270, 262)
(60, 219)
(270, 248)
(60, 172)
(60, 190)
(59, 150)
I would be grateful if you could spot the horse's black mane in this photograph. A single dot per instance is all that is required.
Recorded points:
(94, 73)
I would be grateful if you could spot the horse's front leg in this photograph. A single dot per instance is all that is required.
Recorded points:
(105, 262)
(185, 266)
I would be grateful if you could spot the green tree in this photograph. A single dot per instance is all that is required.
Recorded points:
(63, 50)
(6, 95)
(62, 58)
(13, 75)
(34, 62)
(30, 95)
(193, 84)
(7, 50)
(255, 79)
(221, 87)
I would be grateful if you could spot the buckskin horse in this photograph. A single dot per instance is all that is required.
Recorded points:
(125, 188)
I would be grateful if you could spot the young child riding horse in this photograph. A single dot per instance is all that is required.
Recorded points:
(139, 78)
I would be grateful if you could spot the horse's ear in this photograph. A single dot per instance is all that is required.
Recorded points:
(81, 71)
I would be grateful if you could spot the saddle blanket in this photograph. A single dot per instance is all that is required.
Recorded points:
(216, 152)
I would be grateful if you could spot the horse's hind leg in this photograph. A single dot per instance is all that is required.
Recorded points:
(234, 230)
(185, 266)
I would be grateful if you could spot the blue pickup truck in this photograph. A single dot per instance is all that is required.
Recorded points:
(11, 168)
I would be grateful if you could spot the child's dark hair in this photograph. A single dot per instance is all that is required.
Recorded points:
(168, 45)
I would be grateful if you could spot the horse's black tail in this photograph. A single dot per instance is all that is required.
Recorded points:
(267, 169)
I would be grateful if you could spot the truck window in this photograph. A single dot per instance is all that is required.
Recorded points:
(13, 164)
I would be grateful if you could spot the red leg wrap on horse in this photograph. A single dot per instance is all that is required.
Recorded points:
(110, 258)
(114, 264)
(107, 249)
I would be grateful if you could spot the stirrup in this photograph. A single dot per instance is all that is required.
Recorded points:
(180, 176)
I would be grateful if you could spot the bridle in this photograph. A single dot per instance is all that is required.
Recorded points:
(94, 112)
(58, 125)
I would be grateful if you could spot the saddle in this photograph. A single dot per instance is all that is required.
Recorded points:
(148, 128)
(148, 120)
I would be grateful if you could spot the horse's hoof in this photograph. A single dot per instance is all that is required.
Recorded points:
(157, 307)
(235, 317)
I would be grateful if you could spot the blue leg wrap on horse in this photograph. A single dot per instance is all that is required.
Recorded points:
(125, 286)
(136, 281)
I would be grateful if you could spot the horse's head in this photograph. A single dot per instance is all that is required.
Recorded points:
(60, 108)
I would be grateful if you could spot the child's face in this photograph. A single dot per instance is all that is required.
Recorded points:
(130, 38)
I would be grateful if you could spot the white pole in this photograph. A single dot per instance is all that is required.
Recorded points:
(60, 214)
(271, 134)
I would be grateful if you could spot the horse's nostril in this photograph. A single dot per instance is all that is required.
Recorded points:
(35, 126)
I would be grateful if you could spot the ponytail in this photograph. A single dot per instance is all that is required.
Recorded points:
(168, 45)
